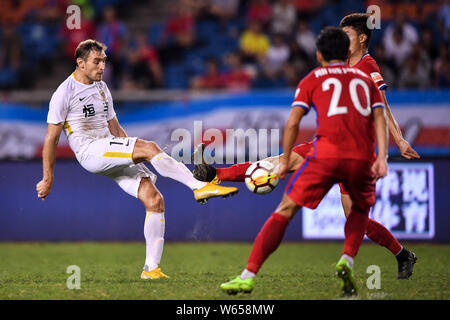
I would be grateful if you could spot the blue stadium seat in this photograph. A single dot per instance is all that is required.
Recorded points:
(100, 4)
(206, 30)
(39, 41)
(8, 77)
(154, 33)
(175, 76)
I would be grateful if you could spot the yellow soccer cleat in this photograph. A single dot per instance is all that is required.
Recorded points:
(153, 274)
(216, 180)
(212, 190)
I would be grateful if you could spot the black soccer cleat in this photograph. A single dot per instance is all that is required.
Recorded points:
(406, 266)
(202, 171)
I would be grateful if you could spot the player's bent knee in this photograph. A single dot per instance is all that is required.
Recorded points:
(152, 149)
(145, 150)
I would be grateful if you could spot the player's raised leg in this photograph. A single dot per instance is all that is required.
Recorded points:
(378, 233)
(169, 167)
(154, 227)
(266, 242)
(205, 172)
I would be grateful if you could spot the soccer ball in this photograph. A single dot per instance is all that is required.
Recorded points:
(260, 177)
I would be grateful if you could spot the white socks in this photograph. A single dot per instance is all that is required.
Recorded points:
(154, 238)
(169, 167)
(348, 258)
(247, 274)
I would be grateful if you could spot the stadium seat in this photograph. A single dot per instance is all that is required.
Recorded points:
(155, 32)
(8, 77)
(206, 31)
(175, 76)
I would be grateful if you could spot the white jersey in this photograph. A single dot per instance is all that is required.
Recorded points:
(85, 111)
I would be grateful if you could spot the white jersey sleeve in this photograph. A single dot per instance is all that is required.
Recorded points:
(58, 107)
(111, 113)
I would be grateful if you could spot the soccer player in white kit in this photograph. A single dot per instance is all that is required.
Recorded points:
(82, 106)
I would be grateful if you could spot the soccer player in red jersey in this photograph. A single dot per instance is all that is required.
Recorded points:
(351, 115)
(355, 25)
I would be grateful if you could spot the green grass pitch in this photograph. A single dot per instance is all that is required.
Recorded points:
(295, 271)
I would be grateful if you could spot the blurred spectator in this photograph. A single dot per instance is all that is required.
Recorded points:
(254, 43)
(299, 64)
(86, 6)
(237, 78)
(179, 33)
(14, 11)
(428, 44)
(10, 57)
(222, 10)
(180, 25)
(211, 79)
(146, 71)
(385, 66)
(399, 38)
(73, 37)
(278, 53)
(306, 9)
(259, 11)
(441, 67)
(444, 19)
(284, 18)
(413, 75)
(113, 33)
(135, 64)
(423, 59)
(410, 33)
(306, 39)
(398, 47)
(55, 10)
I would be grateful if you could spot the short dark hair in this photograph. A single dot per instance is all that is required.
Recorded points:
(333, 44)
(358, 21)
(86, 46)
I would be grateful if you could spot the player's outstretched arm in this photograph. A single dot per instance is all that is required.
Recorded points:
(115, 128)
(405, 149)
(379, 167)
(289, 137)
(44, 186)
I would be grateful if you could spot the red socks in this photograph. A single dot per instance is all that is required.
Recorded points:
(267, 241)
(379, 234)
(234, 173)
(355, 227)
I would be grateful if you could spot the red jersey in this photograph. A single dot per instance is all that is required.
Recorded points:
(368, 65)
(343, 99)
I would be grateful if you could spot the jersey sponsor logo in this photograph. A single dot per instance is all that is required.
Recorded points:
(102, 94)
(88, 110)
(105, 101)
(376, 76)
(119, 143)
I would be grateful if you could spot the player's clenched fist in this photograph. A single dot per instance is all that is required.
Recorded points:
(379, 168)
(43, 188)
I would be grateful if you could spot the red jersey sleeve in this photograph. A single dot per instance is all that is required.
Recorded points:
(370, 66)
(376, 97)
(303, 95)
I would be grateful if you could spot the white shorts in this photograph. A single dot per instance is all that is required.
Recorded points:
(112, 157)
